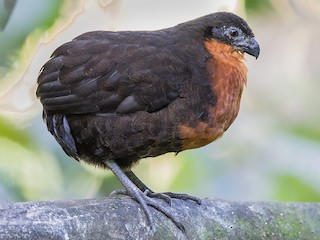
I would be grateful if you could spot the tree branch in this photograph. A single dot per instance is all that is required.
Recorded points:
(122, 218)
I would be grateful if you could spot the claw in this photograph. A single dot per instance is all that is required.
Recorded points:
(118, 192)
(183, 196)
(162, 196)
(157, 205)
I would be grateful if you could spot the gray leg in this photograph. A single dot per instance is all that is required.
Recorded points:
(166, 196)
(145, 201)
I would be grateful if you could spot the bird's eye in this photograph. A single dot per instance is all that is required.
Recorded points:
(234, 33)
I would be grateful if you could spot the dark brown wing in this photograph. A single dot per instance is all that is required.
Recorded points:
(111, 72)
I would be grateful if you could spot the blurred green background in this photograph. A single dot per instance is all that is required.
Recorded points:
(271, 152)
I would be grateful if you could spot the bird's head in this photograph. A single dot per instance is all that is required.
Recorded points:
(230, 29)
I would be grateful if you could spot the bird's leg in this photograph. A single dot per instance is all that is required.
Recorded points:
(145, 189)
(145, 201)
(133, 179)
(136, 180)
(166, 196)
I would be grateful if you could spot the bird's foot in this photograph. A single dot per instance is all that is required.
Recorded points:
(165, 196)
(149, 198)
(158, 205)
(148, 192)
(183, 196)
(146, 197)
(162, 196)
(119, 192)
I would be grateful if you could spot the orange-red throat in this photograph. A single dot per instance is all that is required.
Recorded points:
(228, 76)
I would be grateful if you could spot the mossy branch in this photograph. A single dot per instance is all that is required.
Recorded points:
(122, 218)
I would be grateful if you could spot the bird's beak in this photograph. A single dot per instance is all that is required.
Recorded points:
(249, 46)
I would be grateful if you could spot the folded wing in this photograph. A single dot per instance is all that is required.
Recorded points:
(109, 72)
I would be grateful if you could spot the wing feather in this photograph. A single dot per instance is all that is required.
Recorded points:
(105, 72)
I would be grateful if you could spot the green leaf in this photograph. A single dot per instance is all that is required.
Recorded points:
(308, 131)
(291, 188)
(27, 174)
(257, 6)
(9, 131)
(29, 15)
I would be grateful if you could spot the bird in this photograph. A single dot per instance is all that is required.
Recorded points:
(111, 98)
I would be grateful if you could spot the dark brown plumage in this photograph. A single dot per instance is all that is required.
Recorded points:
(112, 98)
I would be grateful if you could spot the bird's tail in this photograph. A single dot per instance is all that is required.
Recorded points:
(58, 126)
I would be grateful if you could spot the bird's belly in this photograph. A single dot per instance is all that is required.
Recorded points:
(204, 133)
(125, 139)
(200, 135)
